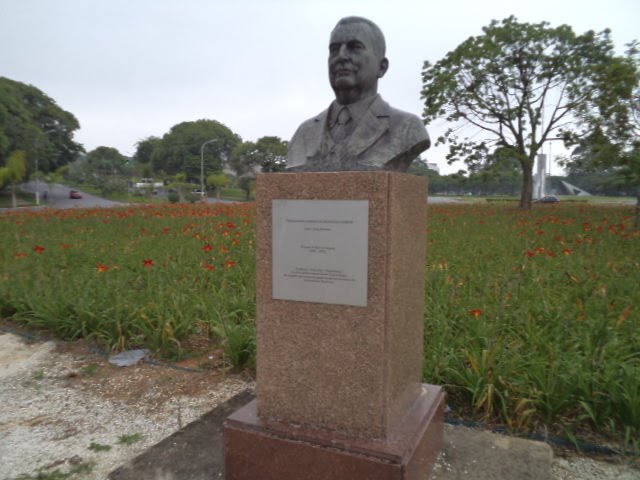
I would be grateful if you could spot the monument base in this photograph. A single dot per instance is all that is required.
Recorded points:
(268, 450)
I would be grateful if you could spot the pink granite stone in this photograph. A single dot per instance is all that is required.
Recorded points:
(344, 368)
(255, 448)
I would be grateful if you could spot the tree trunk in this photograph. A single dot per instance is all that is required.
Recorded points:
(527, 187)
(14, 200)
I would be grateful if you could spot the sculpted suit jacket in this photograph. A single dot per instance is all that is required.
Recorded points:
(385, 138)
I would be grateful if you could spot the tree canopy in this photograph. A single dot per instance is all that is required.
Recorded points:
(32, 122)
(106, 161)
(145, 148)
(180, 148)
(519, 85)
(269, 153)
(613, 143)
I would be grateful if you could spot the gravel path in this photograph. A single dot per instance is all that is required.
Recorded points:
(55, 404)
(51, 412)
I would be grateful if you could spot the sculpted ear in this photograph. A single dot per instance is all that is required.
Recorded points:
(384, 66)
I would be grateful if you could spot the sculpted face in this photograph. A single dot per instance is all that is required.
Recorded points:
(355, 64)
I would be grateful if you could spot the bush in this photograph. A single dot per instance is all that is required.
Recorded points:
(174, 197)
(192, 197)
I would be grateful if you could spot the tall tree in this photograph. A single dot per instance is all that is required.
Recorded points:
(269, 153)
(217, 180)
(32, 122)
(106, 161)
(244, 158)
(613, 143)
(145, 149)
(519, 85)
(180, 149)
(13, 173)
(272, 154)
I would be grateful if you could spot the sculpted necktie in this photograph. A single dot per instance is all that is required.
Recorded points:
(342, 128)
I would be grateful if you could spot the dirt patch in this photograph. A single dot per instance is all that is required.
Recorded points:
(150, 383)
(64, 408)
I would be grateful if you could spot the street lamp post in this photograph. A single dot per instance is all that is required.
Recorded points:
(37, 180)
(202, 165)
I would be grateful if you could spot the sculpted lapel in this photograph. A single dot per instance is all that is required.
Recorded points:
(313, 136)
(373, 125)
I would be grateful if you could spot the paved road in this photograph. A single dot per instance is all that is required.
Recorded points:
(442, 200)
(59, 196)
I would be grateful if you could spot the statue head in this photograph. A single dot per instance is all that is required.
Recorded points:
(356, 59)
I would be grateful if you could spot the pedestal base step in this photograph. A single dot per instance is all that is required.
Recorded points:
(258, 449)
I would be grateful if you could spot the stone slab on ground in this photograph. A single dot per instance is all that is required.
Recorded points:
(481, 455)
(196, 453)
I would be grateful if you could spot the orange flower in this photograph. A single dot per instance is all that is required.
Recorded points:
(210, 267)
(476, 312)
(530, 254)
(231, 263)
(65, 246)
(224, 249)
(148, 263)
(39, 249)
(20, 255)
(567, 251)
(102, 268)
(207, 248)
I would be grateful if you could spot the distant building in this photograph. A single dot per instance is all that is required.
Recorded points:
(148, 183)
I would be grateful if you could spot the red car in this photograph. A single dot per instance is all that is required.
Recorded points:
(74, 194)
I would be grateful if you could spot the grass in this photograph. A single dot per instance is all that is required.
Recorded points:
(97, 447)
(531, 318)
(23, 199)
(137, 277)
(130, 439)
(90, 370)
(57, 474)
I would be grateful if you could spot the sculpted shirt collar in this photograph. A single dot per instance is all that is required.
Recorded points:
(356, 110)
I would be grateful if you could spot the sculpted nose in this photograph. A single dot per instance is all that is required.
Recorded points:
(342, 52)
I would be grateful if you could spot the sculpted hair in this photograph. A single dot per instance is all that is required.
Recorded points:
(380, 45)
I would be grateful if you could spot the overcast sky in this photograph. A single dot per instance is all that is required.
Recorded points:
(129, 69)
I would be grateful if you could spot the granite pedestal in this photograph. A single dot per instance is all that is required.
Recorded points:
(339, 391)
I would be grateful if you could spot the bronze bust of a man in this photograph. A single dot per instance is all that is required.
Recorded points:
(359, 130)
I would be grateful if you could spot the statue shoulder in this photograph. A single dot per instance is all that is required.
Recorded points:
(307, 135)
(314, 122)
(408, 126)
